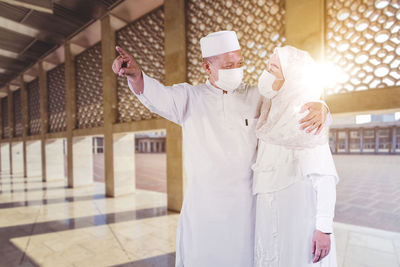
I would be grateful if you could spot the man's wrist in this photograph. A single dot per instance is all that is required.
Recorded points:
(133, 78)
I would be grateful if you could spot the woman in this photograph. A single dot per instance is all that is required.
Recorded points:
(294, 176)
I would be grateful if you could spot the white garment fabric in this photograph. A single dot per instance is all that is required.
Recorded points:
(294, 175)
(278, 167)
(285, 224)
(216, 225)
(280, 123)
(218, 43)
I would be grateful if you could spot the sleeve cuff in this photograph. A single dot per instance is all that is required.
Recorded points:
(325, 225)
(147, 90)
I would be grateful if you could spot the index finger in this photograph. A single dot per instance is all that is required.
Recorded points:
(121, 51)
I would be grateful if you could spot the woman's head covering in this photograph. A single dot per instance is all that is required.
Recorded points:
(300, 68)
(278, 123)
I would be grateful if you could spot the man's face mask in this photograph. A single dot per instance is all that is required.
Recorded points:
(229, 79)
(265, 85)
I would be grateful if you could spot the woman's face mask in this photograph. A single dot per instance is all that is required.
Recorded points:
(229, 79)
(265, 85)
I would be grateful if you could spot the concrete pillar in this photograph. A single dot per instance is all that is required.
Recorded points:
(361, 140)
(10, 106)
(175, 175)
(43, 115)
(304, 26)
(94, 145)
(347, 141)
(5, 157)
(33, 161)
(175, 72)
(70, 106)
(82, 160)
(55, 159)
(1, 123)
(17, 158)
(114, 173)
(25, 121)
(124, 164)
(376, 132)
(394, 139)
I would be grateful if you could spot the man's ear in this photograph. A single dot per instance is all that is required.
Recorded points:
(206, 67)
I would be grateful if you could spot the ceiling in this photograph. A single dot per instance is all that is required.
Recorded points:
(31, 29)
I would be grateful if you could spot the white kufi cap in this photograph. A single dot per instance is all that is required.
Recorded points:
(217, 43)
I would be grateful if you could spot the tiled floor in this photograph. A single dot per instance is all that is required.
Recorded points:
(46, 224)
(368, 193)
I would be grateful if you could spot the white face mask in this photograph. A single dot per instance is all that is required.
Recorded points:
(265, 85)
(229, 79)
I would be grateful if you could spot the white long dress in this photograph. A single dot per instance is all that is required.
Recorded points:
(216, 225)
(294, 176)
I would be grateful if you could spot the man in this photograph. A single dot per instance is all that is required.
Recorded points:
(216, 225)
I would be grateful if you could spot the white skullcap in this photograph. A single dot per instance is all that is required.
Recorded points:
(217, 43)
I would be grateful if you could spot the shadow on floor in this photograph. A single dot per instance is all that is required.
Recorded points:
(166, 260)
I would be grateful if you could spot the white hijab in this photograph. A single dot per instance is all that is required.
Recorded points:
(279, 120)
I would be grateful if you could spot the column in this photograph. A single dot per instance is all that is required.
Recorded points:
(70, 106)
(376, 133)
(17, 158)
(43, 116)
(1, 123)
(346, 144)
(119, 157)
(94, 145)
(124, 164)
(10, 105)
(394, 140)
(336, 141)
(1, 134)
(82, 160)
(304, 26)
(175, 72)
(25, 126)
(5, 157)
(33, 162)
(55, 159)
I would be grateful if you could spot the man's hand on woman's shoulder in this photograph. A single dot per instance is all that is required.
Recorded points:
(316, 117)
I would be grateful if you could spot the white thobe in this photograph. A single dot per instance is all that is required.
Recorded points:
(216, 225)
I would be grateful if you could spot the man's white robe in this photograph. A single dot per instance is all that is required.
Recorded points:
(216, 225)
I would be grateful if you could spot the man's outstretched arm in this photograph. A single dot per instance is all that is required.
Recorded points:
(169, 102)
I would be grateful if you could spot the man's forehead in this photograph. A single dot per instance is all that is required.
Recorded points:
(232, 55)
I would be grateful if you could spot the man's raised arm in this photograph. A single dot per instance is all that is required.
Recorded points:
(168, 101)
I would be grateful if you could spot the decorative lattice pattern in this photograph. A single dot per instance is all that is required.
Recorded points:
(4, 118)
(89, 88)
(259, 25)
(17, 112)
(34, 107)
(56, 99)
(362, 39)
(144, 39)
